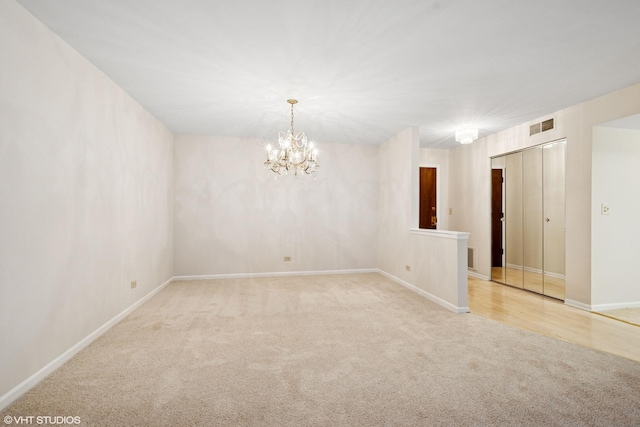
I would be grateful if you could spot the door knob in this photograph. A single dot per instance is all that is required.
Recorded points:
(547, 219)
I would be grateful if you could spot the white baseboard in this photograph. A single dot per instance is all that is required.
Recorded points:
(577, 304)
(601, 307)
(273, 274)
(427, 295)
(614, 306)
(34, 379)
(477, 275)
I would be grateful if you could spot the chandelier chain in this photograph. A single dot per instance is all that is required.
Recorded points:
(292, 118)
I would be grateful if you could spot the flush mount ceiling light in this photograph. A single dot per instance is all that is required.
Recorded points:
(294, 153)
(466, 135)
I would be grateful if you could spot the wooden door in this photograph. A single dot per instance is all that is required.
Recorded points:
(497, 217)
(428, 208)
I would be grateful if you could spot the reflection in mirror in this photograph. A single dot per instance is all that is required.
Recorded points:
(532, 218)
(498, 264)
(513, 219)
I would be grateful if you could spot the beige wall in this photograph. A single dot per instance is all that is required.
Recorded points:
(470, 177)
(436, 259)
(469, 197)
(616, 236)
(85, 198)
(232, 216)
(398, 158)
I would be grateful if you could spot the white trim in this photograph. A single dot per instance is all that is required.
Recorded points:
(426, 294)
(577, 304)
(445, 234)
(614, 306)
(477, 276)
(13, 394)
(274, 274)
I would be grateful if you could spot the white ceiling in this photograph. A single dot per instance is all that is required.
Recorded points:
(363, 70)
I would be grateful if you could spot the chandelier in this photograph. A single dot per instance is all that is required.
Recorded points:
(294, 153)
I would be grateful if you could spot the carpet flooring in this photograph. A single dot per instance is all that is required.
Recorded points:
(345, 350)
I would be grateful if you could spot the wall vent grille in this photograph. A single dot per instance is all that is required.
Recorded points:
(541, 127)
(471, 258)
(547, 125)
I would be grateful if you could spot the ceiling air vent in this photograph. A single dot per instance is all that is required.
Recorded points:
(547, 124)
(541, 127)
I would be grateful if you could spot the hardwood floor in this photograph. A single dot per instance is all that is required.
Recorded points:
(553, 318)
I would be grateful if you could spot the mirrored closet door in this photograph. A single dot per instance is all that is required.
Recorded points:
(528, 210)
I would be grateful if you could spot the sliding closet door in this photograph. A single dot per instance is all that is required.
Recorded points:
(532, 219)
(533, 227)
(513, 218)
(554, 219)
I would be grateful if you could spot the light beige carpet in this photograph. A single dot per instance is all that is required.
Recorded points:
(344, 350)
(629, 315)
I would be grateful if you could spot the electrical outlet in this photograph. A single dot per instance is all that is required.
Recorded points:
(134, 283)
(407, 267)
(450, 211)
(605, 209)
(287, 258)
